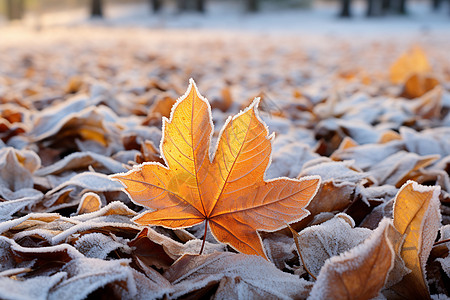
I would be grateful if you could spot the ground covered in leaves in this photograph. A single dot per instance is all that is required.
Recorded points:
(80, 104)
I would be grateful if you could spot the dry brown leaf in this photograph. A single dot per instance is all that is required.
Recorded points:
(90, 202)
(149, 153)
(346, 143)
(161, 107)
(429, 105)
(149, 253)
(418, 85)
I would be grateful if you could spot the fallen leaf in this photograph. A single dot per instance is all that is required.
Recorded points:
(417, 216)
(409, 63)
(397, 168)
(148, 253)
(389, 136)
(90, 202)
(85, 275)
(359, 273)
(430, 104)
(428, 141)
(320, 242)
(418, 85)
(98, 245)
(346, 143)
(236, 276)
(229, 193)
(37, 288)
(161, 107)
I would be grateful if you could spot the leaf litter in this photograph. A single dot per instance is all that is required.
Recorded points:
(376, 134)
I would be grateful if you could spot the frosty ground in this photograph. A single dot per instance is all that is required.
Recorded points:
(82, 99)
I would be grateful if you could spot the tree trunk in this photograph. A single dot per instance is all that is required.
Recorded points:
(97, 8)
(200, 5)
(402, 7)
(252, 5)
(14, 9)
(374, 8)
(197, 5)
(436, 4)
(156, 5)
(345, 9)
(386, 6)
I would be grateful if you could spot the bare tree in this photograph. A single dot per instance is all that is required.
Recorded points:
(376, 8)
(345, 9)
(252, 5)
(156, 5)
(402, 7)
(97, 8)
(198, 5)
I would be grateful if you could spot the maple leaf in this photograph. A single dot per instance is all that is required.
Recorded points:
(228, 191)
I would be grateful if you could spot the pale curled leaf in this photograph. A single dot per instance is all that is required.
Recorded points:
(228, 192)
(98, 245)
(320, 242)
(239, 276)
(37, 288)
(86, 275)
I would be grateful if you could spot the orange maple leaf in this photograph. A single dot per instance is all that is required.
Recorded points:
(228, 191)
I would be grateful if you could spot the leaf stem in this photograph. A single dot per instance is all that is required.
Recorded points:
(441, 242)
(204, 237)
(296, 236)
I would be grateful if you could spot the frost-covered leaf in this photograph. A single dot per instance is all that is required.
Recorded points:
(369, 155)
(361, 272)
(81, 161)
(38, 287)
(69, 192)
(235, 275)
(427, 142)
(114, 211)
(8, 208)
(28, 221)
(149, 253)
(98, 245)
(85, 275)
(228, 192)
(417, 217)
(398, 168)
(320, 242)
(90, 202)
(176, 249)
(16, 169)
(335, 171)
(289, 160)
(71, 121)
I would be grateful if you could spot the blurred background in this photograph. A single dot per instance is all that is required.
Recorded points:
(146, 50)
(228, 14)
